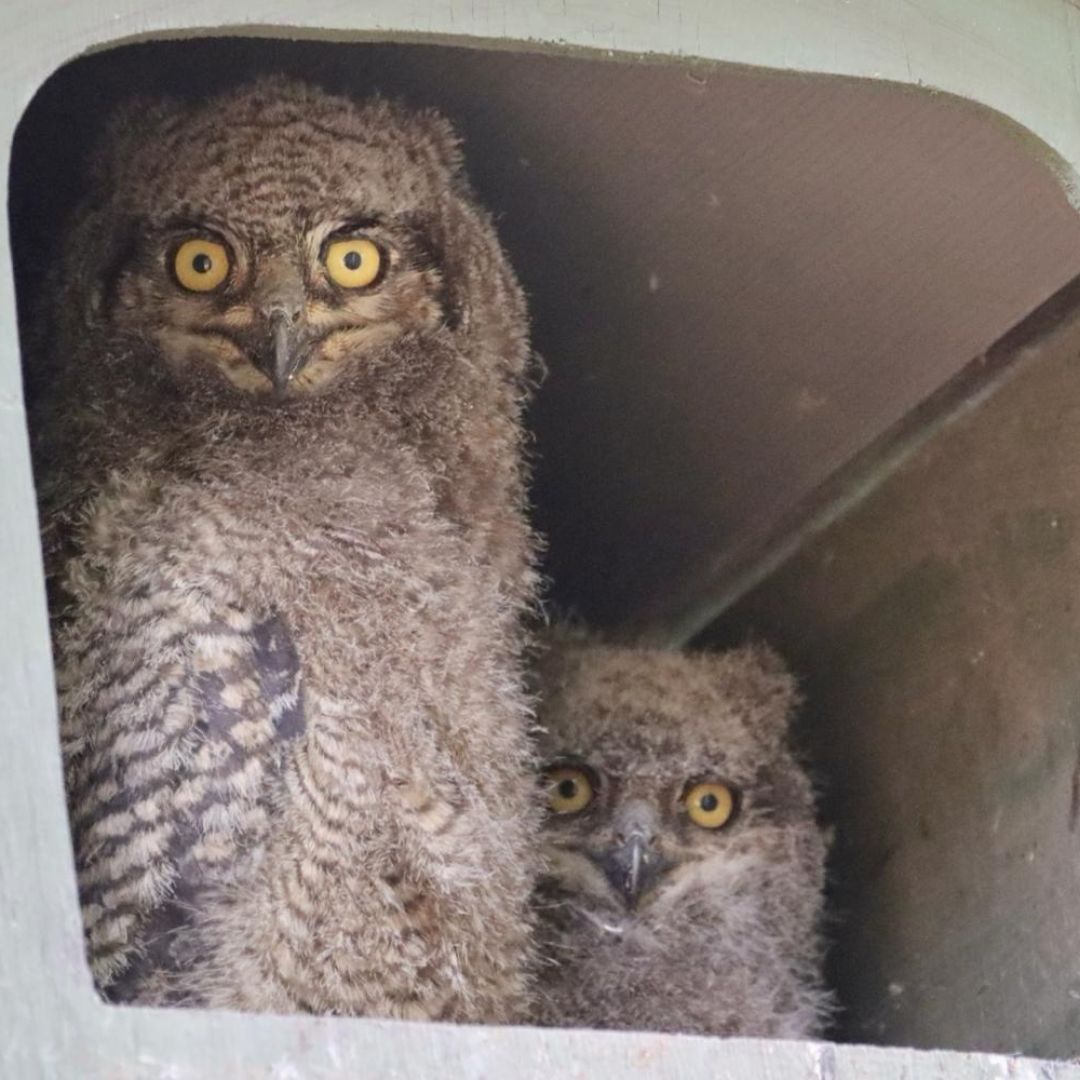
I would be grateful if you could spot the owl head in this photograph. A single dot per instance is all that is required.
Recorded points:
(276, 241)
(666, 776)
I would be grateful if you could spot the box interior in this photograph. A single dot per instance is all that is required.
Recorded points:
(738, 279)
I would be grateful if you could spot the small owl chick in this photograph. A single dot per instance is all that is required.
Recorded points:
(683, 882)
(279, 465)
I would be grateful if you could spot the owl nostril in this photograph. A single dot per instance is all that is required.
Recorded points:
(287, 313)
(622, 837)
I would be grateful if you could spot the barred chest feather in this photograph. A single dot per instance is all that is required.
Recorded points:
(354, 802)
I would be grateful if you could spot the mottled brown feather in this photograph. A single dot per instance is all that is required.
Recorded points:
(287, 634)
(728, 940)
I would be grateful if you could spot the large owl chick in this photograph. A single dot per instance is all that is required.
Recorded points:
(684, 870)
(278, 455)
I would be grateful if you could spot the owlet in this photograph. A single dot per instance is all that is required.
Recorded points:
(682, 889)
(282, 497)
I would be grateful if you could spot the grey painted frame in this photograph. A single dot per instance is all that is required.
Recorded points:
(1017, 56)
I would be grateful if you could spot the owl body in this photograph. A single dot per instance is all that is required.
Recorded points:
(285, 534)
(684, 871)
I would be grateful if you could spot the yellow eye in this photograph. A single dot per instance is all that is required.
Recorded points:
(353, 263)
(710, 804)
(569, 790)
(201, 265)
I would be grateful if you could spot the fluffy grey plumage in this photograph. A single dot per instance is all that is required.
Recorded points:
(283, 516)
(653, 921)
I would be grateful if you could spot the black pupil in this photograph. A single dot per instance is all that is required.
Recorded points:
(202, 263)
(567, 788)
(352, 260)
(709, 803)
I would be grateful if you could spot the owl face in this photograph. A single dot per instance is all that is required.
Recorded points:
(278, 318)
(664, 774)
(625, 838)
(274, 241)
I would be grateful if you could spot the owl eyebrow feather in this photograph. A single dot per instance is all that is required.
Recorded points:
(573, 760)
(358, 224)
(191, 224)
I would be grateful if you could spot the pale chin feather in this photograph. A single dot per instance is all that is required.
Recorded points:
(606, 926)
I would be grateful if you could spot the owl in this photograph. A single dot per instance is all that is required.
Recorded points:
(683, 877)
(280, 472)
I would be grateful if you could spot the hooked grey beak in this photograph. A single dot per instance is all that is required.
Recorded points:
(633, 865)
(279, 299)
(284, 359)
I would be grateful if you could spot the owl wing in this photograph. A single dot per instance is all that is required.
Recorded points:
(176, 711)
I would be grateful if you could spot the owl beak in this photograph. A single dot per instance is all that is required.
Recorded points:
(284, 357)
(633, 865)
(279, 300)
